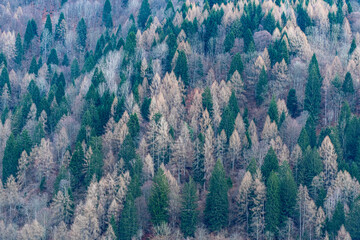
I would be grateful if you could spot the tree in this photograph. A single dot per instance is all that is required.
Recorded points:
(48, 24)
(288, 191)
(30, 33)
(81, 34)
(217, 205)
(313, 89)
(269, 22)
(273, 111)
(338, 218)
(207, 101)
(19, 51)
(261, 87)
(309, 166)
(352, 47)
(10, 159)
(306, 212)
(60, 29)
(159, 199)
(348, 86)
(144, 13)
(76, 165)
(270, 164)
(249, 44)
(292, 103)
(273, 204)
(128, 225)
(229, 41)
(243, 199)
(106, 17)
(352, 221)
(53, 58)
(258, 198)
(189, 214)
(329, 156)
(236, 65)
(75, 70)
(130, 43)
(33, 67)
(181, 68)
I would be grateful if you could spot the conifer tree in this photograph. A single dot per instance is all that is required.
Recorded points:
(4, 79)
(207, 101)
(53, 58)
(81, 34)
(75, 70)
(313, 89)
(261, 87)
(130, 43)
(60, 29)
(273, 111)
(159, 199)
(10, 159)
(288, 193)
(304, 140)
(292, 103)
(106, 17)
(144, 13)
(269, 22)
(348, 86)
(65, 61)
(309, 166)
(352, 47)
(30, 33)
(236, 65)
(227, 121)
(229, 41)
(217, 205)
(249, 44)
(33, 67)
(270, 164)
(181, 68)
(19, 51)
(48, 24)
(273, 203)
(338, 218)
(76, 166)
(128, 224)
(189, 214)
(353, 219)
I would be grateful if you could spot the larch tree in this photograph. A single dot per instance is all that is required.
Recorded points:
(243, 199)
(329, 157)
(209, 152)
(257, 207)
(306, 212)
(235, 148)
(217, 205)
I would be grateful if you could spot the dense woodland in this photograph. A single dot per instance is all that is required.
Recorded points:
(172, 119)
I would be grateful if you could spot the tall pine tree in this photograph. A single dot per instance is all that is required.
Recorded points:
(273, 204)
(82, 34)
(181, 68)
(313, 89)
(159, 199)
(217, 205)
(144, 13)
(189, 214)
(106, 17)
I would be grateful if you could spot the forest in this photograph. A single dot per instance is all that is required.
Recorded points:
(180, 119)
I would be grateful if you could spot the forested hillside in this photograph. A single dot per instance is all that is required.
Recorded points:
(173, 119)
